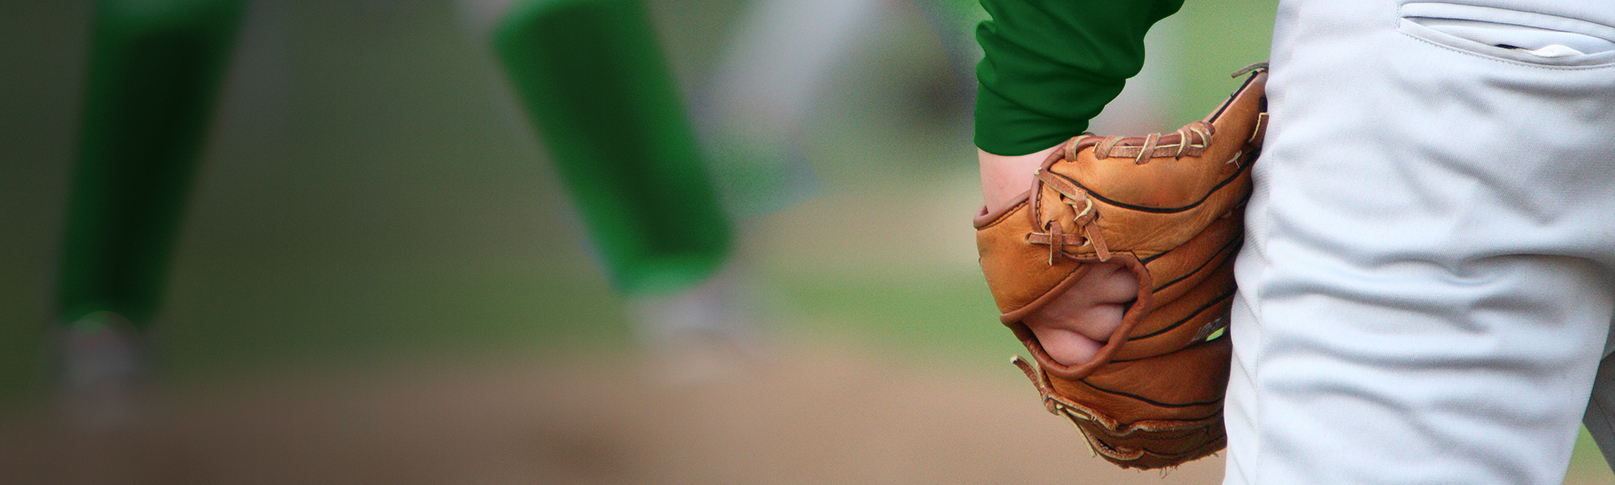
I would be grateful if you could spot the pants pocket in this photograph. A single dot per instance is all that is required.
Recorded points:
(1511, 35)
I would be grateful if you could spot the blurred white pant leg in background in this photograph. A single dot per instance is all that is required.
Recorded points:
(749, 113)
(751, 110)
(955, 23)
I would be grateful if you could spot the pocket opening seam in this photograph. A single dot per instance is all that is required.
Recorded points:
(1522, 18)
(1606, 64)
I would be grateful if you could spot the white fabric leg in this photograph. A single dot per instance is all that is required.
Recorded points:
(749, 114)
(1426, 284)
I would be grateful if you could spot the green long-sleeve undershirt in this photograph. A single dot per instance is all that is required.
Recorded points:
(1052, 65)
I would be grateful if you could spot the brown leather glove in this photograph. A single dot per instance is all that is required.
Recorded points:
(1170, 208)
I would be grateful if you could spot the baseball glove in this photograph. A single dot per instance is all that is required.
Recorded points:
(1170, 208)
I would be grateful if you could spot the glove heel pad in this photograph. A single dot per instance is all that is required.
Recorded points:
(1167, 427)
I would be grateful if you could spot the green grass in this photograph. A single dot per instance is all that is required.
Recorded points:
(942, 314)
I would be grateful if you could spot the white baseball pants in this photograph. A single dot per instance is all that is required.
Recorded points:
(1428, 278)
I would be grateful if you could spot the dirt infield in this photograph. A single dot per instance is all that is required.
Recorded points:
(818, 414)
(815, 415)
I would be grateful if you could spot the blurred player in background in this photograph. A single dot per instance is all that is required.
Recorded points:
(156, 68)
(748, 115)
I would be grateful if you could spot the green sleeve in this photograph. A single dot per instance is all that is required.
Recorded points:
(1051, 65)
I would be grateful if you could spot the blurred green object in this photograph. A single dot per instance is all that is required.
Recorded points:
(955, 22)
(594, 82)
(155, 71)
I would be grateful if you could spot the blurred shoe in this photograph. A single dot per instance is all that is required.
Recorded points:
(102, 358)
(706, 333)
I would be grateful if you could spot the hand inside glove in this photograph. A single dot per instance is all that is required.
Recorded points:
(1076, 323)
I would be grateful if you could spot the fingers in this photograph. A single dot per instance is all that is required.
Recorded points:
(1074, 337)
(1065, 346)
(1073, 326)
(1096, 322)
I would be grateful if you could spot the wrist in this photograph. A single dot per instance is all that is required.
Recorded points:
(1003, 178)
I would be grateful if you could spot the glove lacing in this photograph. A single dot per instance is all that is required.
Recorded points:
(1087, 219)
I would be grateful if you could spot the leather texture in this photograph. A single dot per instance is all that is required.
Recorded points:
(1170, 208)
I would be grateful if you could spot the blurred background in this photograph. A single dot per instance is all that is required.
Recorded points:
(381, 279)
